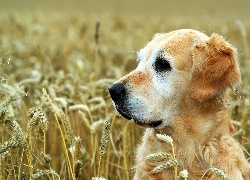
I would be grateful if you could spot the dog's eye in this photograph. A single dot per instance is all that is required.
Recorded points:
(161, 65)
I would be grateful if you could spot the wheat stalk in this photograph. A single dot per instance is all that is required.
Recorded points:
(104, 142)
(165, 138)
(59, 114)
(159, 156)
(218, 172)
(170, 163)
(168, 140)
(77, 156)
(17, 139)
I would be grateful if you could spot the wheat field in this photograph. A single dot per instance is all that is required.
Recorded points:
(56, 117)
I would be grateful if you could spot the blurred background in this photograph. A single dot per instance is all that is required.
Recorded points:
(75, 50)
(224, 9)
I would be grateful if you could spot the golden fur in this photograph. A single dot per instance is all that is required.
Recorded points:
(200, 127)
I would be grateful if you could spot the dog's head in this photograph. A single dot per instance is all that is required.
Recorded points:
(173, 67)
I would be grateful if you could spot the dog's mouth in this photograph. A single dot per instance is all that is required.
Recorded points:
(124, 114)
(127, 115)
(152, 124)
(155, 123)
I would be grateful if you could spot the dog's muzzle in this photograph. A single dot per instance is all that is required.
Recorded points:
(118, 94)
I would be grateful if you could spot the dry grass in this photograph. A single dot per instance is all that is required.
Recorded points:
(54, 98)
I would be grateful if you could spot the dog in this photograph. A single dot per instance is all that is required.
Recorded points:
(179, 89)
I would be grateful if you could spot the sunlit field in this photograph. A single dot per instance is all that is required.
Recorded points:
(57, 120)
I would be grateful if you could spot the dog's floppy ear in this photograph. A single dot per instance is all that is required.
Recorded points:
(215, 67)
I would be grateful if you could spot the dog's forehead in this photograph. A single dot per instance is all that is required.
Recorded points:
(178, 44)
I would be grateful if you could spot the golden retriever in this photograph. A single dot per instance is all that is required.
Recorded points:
(179, 89)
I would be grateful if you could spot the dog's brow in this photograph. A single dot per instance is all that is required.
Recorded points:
(140, 54)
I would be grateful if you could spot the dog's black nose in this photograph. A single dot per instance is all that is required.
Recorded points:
(117, 91)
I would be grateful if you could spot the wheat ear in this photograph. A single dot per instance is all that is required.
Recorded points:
(170, 163)
(104, 142)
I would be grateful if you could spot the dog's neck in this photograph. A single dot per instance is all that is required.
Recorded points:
(213, 115)
(212, 121)
(208, 126)
(201, 140)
